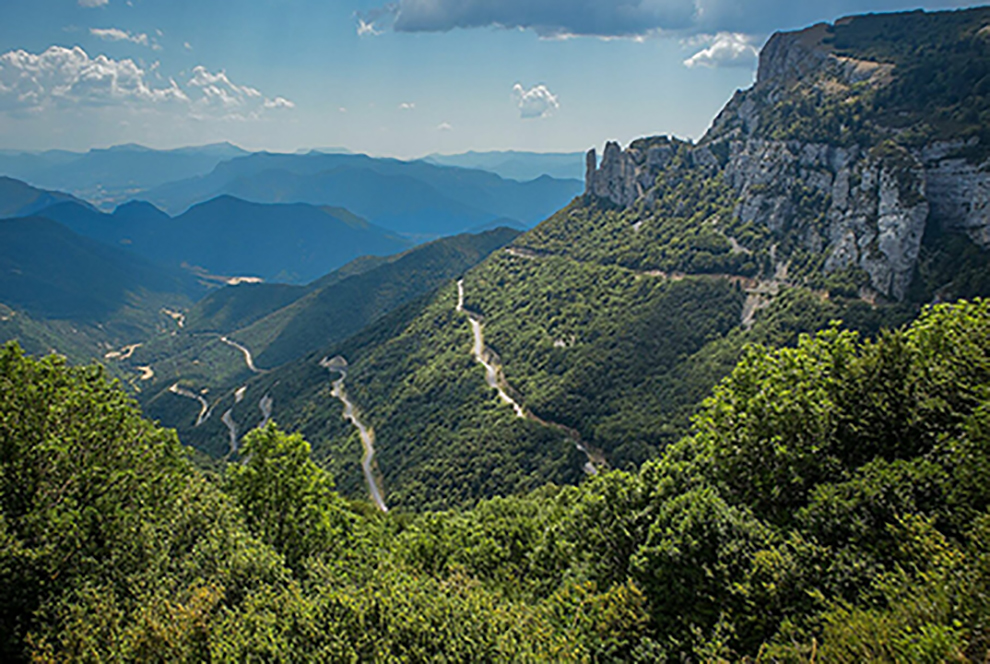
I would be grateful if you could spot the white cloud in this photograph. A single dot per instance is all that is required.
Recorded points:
(115, 34)
(217, 94)
(367, 28)
(93, 3)
(445, 126)
(342, 109)
(62, 78)
(218, 88)
(537, 102)
(279, 102)
(407, 106)
(187, 46)
(727, 49)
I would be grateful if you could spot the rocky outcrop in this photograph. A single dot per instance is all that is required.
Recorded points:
(862, 206)
(626, 176)
(616, 179)
(789, 57)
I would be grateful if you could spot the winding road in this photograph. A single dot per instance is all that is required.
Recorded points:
(266, 404)
(228, 420)
(204, 411)
(177, 316)
(248, 359)
(339, 365)
(124, 353)
(484, 357)
(496, 379)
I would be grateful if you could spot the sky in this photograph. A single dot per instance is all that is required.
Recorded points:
(403, 78)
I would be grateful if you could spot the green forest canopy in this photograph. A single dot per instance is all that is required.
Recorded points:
(831, 503)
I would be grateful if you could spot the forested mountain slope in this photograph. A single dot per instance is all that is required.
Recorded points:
(831, 505)
(612, 319)
(277, 324)
(60, 292)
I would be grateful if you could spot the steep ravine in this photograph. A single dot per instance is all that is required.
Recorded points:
(495, 379)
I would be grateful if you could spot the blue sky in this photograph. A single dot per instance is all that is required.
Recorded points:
(401, 78)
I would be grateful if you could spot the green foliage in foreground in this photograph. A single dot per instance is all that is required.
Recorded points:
(831, 505)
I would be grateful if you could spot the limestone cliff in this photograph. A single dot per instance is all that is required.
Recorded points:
(818, 149)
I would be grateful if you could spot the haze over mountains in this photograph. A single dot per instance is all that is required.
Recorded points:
(517, 165)
(19, 199)
(428, 198)
(50, 272)
(222, 236)
(107, 177)
(423, 199)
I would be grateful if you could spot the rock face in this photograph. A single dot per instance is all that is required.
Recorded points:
(860, 206)
(627, 175)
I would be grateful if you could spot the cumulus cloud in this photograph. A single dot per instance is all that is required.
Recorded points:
(726, 49)
(217, 88)
(445, 126)
(115, 34)
(407, 106)
(215, 94)
(537, 102)
(65, 78)
(93, 3)
(279, 102)
(615, 18)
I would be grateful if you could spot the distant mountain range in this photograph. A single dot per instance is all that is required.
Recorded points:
(228, 237)
(424, 199)
(412, 198)
(514, 165)
(96, 286)
(107, 177)
(18, 199)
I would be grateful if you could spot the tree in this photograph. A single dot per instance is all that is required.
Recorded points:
(289, 502)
